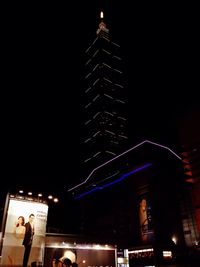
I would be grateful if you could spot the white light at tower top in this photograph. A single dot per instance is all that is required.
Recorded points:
(101, 15)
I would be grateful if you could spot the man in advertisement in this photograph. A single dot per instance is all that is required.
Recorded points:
(28, 239)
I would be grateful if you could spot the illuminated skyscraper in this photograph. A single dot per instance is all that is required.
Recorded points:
(103, 132)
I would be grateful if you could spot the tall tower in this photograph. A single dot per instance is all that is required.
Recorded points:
(104, 133)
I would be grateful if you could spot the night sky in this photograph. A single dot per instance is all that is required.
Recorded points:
(43, 64)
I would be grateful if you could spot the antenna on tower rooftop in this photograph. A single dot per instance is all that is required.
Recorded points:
(101, 15)
(102, 25)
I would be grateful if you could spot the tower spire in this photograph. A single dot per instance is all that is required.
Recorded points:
(102, 26)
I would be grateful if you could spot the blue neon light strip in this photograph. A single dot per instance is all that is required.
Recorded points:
(118, 156)
(123, 176)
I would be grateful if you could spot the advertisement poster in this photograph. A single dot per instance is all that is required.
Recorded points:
(145, 218)
(24, 237)
(84, 257)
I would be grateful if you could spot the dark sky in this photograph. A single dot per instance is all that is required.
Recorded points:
(42, 67)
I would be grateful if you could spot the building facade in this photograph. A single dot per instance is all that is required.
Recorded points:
(140, 200)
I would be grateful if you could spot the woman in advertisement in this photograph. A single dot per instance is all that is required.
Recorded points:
(19, 229)
(15, 252)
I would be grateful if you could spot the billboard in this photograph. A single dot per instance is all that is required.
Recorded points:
(24, 235)
(85, 257)
(145, 218)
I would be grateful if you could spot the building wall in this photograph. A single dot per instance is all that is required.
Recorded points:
(115, 211)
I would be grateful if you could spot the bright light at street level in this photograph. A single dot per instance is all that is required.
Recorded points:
(174, 239)
(36, 196)
(55, 200)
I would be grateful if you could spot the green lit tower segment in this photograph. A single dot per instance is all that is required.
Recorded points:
(104, 129)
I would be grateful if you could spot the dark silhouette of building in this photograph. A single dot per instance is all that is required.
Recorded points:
(140, 200)
(104, 128)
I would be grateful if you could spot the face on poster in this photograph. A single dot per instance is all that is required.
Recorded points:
(18, 215)
(84, 257)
